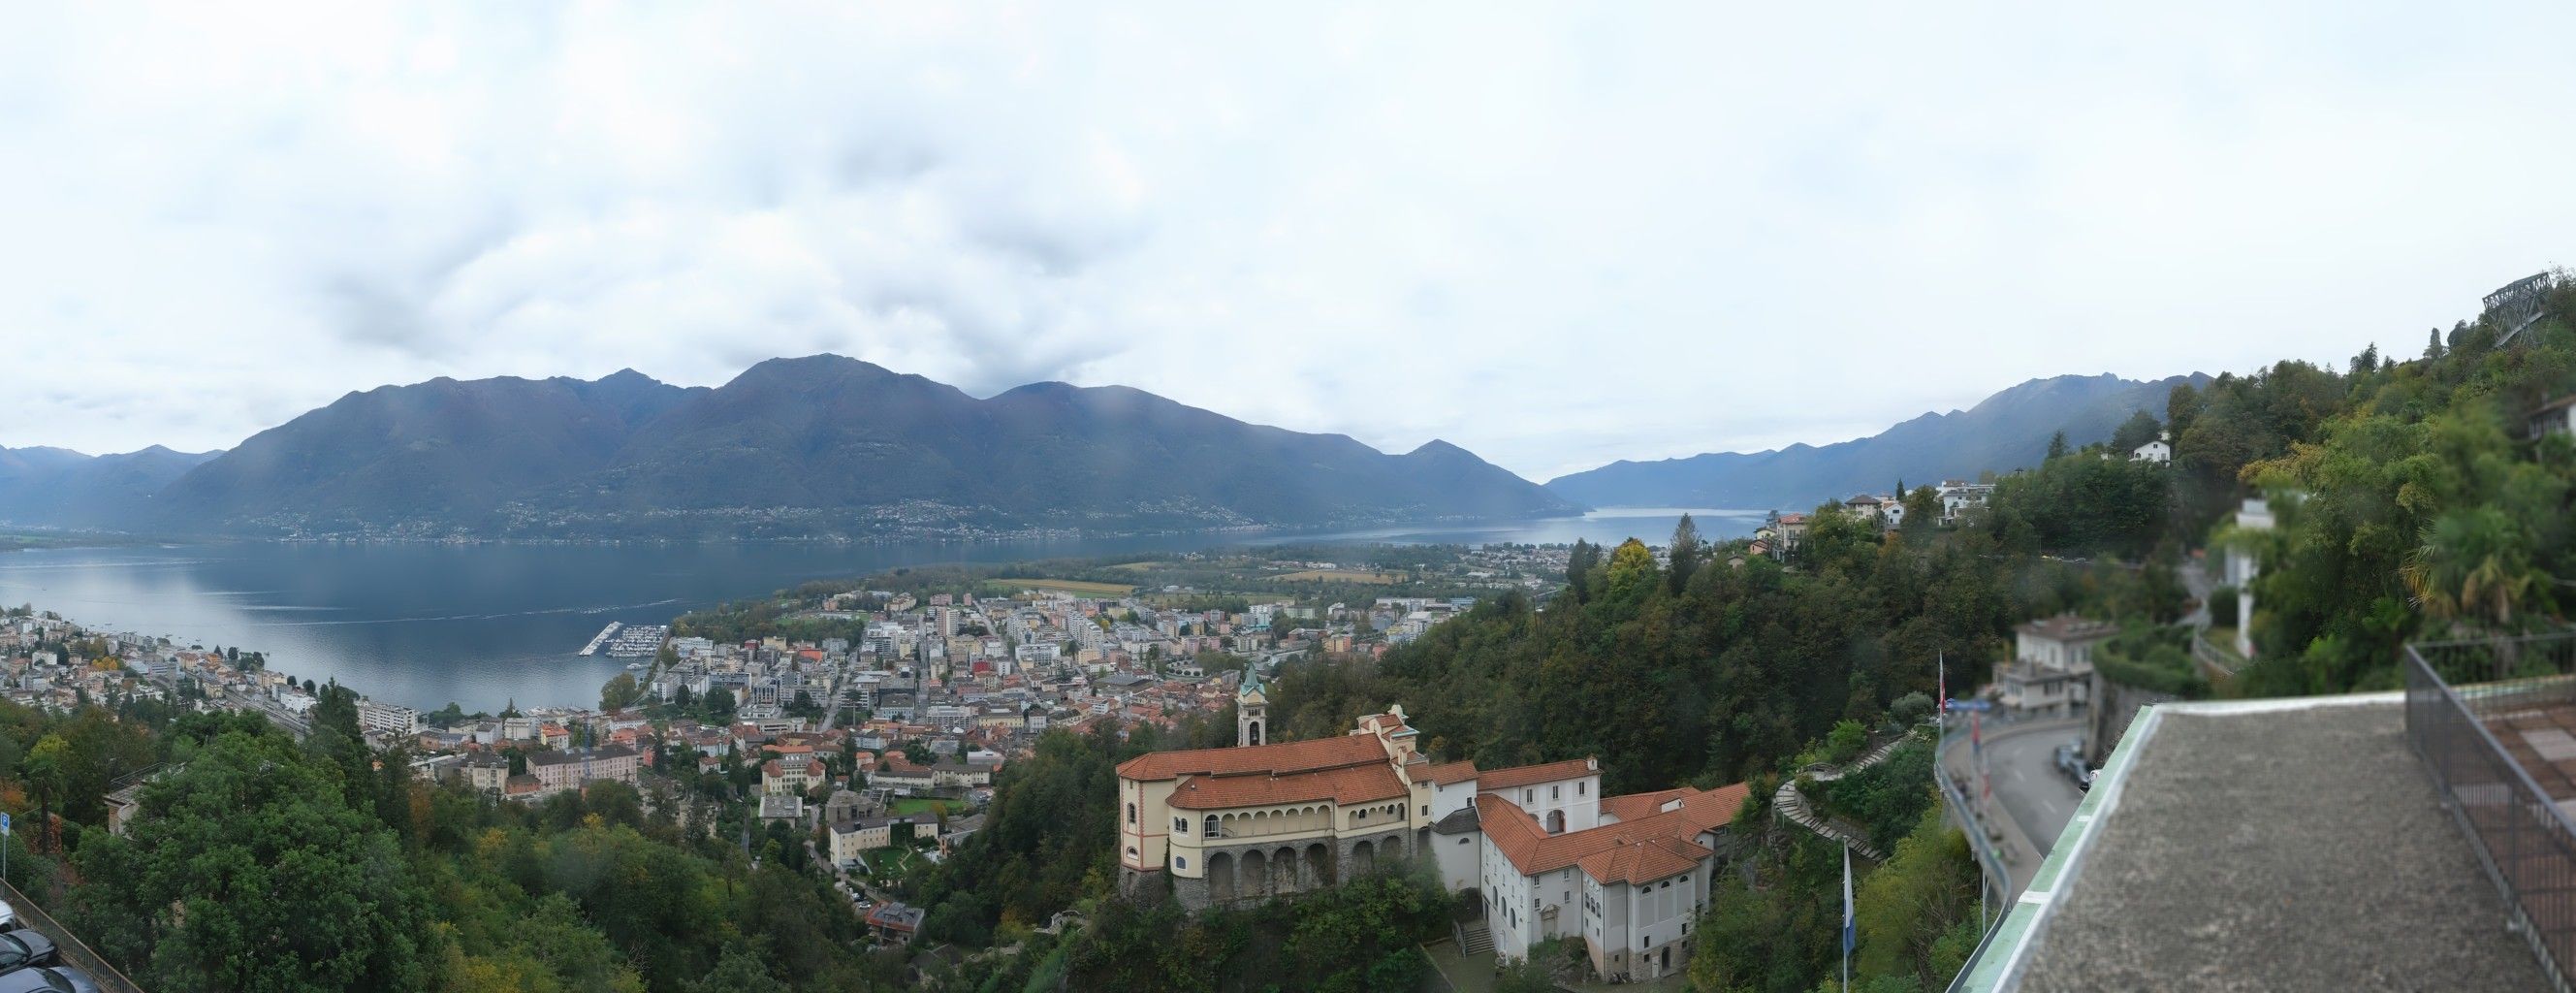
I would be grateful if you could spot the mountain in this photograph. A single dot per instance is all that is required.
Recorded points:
(2006, 431)
(805, 447)
(441, 451)
(57, 487)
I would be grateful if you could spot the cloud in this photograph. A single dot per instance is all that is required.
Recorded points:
(1553, 236)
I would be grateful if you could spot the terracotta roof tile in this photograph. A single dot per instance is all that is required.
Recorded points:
(1345, 786)
(1645, 862)
(1447, 773)
(1532, 850)
(1504, 779)
(1279, 757)
(1639, 806)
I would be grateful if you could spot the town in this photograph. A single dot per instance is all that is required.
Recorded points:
(878, 745)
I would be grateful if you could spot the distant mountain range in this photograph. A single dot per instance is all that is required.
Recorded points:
(63, 488)
(2006, 431)
(826, 446)
(807, 447)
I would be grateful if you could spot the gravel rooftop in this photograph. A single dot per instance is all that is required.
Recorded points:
(2289, 850)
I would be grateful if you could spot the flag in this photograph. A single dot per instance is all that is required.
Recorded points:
(1848, 930)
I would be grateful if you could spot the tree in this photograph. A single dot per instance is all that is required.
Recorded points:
(620, 693)
(47, 772)
(246, 870)
(1578, 568)
(2057, 445)
(1686, 554)
(719, 703)
(2474, 563)
(739, 971)
(2139, 429)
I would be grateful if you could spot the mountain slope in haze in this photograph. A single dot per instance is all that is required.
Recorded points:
(55, 487)
(443, 450)
(2006, 431)
(807, 447)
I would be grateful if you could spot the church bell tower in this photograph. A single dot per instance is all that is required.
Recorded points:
(1251, 711)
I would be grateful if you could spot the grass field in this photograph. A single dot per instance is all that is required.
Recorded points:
(1079, 587)
(919, 805)
(1343, 576)
(1135, 566)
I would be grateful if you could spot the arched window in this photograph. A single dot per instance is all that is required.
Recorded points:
(1211, 825)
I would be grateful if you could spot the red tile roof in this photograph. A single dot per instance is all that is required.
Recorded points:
(1277, 758)
(1352, 785)
(1670, 833)
(1447, 773)
(1645, 862)
(1504, 779)
(1639, 806)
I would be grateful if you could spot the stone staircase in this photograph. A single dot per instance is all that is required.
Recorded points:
(1792, 806)
(1473, 938)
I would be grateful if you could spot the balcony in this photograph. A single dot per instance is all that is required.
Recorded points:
(2495, 724)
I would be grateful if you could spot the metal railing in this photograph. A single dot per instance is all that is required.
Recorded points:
(74, 952)
(1994, 895)
(2523, 838)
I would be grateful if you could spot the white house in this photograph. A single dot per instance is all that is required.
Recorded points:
(2052, 668)
(2243, 566)
(1958, 497)
(2159, 450)
(1629, 887)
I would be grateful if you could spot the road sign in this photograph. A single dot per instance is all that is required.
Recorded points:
(4, 825)
(1966, 705)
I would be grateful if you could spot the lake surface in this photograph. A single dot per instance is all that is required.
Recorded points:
(483, 625)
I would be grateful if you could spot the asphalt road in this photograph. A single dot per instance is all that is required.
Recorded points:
(2026, 781)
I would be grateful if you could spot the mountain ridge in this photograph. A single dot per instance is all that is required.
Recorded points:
(2005, 431)
(806, 446)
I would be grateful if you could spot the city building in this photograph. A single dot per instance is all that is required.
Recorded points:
(2051, 673)
(571, 770)
(387, 718)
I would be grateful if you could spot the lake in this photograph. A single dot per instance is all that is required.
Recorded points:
(483, 625)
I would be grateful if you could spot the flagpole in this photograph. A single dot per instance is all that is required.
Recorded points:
(1847, 917)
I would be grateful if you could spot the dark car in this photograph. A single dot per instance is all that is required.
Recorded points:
(2072, 765)
(25, 947)
(48, 979)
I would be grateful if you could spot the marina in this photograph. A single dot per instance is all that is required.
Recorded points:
(601, 638)
(634, 641)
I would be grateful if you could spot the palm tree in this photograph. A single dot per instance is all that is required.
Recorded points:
(2476, 565)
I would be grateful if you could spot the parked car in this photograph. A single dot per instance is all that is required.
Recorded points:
(26, 947)
(2072, 764)
(8, 915)
(48, 979)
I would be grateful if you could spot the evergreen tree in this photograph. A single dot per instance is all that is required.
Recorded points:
(1688, 551)
(2057, 445)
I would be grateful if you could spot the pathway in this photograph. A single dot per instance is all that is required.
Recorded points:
(1792, 805)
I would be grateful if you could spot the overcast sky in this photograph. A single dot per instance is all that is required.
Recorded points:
(1556, 236)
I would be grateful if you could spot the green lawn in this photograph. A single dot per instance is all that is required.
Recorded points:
(886, 865)
(920, 805)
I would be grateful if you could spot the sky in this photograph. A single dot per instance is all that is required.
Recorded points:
(1556, 235)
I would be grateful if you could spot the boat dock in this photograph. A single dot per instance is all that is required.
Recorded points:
(601, 639)
(637, 641)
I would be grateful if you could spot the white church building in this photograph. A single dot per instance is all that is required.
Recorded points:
(1552, 857)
